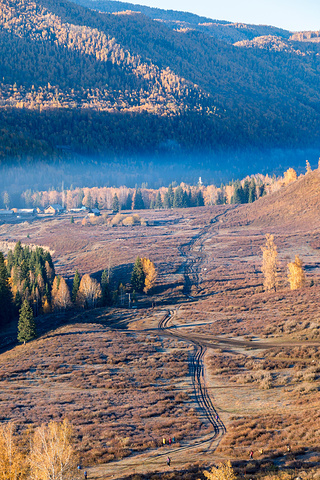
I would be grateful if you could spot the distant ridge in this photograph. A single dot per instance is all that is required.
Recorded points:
(230, 32)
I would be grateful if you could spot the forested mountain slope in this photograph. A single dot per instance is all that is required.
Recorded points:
(96, 82)
(223, 30)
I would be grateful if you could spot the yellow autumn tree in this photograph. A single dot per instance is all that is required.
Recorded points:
(290, 176)
(269, 264)
(62, 300)
(12, 461)
(308, 167)
(89, 292)
(150, 273)
(223, 471)
(52, 456)
(296, 274)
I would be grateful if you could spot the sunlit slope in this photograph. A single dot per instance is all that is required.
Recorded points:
(294, 206)
(61, 63)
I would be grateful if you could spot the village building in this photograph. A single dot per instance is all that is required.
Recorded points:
(54, 209)
(6, 213)
(24, 212)
(94, 212)
(77, 210)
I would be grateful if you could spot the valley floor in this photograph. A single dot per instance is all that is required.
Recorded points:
(209, 359)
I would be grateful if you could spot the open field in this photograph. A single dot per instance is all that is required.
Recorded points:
(217, 363)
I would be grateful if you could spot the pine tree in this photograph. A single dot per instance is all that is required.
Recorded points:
(252, 191)
(168, 197)
(238, 193)
(26, 325)
(128, 205)
(138, 276)
(178, 198)
(245, 192)
(75, 286)
(269, 264)
(6, 300)
(158, 203)
(138, 203)
(199, 201)
(115, 203)
(105, 287)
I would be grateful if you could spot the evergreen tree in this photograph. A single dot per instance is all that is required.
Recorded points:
(238, 193)
(71, 219)
(115, 203)
(252, 191)
(178, 198)
(6, 303)
(245, 192)
(75, 286)
(168, 197)
(26, 325)
(105, 287)
(199, 201)
(138, 276)
(158, 203)
(128, 204)
(138, 203)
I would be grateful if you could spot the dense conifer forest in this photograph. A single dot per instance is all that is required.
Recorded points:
(92, 82)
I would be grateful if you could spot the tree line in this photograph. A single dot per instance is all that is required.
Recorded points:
(29, 287)
(246, 190)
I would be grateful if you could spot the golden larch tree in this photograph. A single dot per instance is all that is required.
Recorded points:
(269, 264)
(290, 176)
(62, 300)
(223, 471)
(12, 461)
(89, 292)
(150, 273)
(296, 275)
(52, 456)
(308, 167)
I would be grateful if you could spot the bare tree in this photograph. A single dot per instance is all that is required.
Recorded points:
(269, 264)
(52, 456)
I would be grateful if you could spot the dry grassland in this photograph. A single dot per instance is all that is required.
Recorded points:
(124, 391)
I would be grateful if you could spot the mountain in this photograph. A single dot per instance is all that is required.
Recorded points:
(77, 79)
(221, 29)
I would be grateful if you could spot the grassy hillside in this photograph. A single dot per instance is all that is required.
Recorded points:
(294, 206)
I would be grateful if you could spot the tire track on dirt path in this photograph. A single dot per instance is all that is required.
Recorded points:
(193, 260)
(199, 385)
